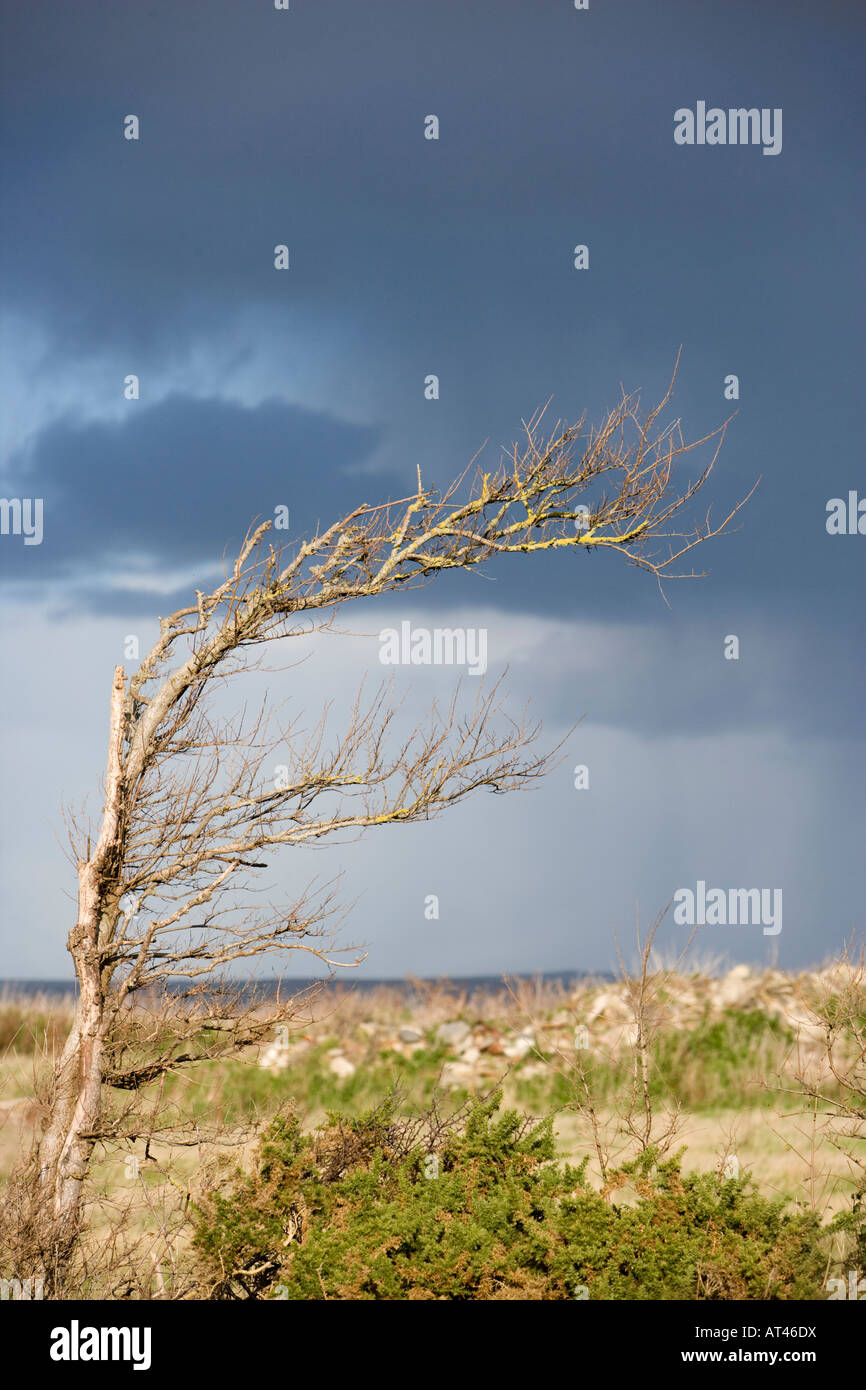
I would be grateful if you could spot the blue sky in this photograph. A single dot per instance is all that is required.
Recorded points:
(453, 257)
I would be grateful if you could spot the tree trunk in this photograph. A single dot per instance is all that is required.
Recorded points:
(73, 1121)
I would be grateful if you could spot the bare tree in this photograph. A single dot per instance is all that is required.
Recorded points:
(637, 1123)
(189, 814)
(828, 1083)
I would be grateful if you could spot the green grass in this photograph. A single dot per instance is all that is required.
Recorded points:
(244, 1090)
(720, 1064)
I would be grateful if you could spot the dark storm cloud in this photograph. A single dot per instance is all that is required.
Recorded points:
(672, 679)
(259, 127)
(178, 483)
(454, 257)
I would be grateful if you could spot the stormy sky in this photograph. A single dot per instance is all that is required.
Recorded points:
(305, 388)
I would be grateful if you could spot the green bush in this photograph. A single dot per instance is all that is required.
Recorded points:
(476, 1207)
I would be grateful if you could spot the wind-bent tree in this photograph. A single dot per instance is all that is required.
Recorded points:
(190, 802)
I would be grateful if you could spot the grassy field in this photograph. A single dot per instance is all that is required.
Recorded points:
(724, 1057)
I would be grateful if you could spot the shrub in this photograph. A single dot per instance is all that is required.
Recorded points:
(476, 1207)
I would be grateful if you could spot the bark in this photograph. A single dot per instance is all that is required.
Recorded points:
(73, 1122)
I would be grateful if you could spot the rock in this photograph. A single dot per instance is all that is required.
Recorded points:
(410, 1035)
(612, 1039)
(597, 1007)
(468, 1055)
(274, 1057)
(342, 1067)
(840, 976)
(533, 1069)
(776, 979)
(458, 1074)
(611, 1006)
(454, 1033)
(519, 1046)
(737, 987)
(805, 1024)
(740, 972)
